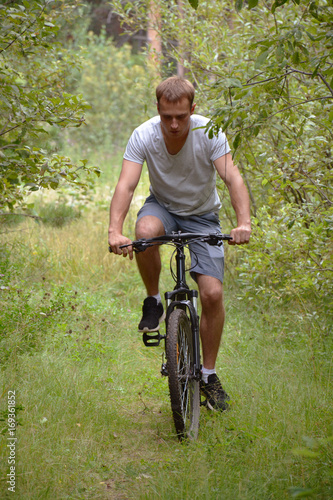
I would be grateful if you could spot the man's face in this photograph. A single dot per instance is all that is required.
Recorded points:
(175, 117)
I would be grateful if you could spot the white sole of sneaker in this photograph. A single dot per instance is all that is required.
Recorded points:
(147, 330)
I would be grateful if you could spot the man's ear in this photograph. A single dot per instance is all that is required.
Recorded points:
(193, 108)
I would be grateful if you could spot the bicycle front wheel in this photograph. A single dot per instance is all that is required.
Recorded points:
(184, 388)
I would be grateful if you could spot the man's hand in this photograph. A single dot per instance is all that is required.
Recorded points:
(116, 240)
(240, 235)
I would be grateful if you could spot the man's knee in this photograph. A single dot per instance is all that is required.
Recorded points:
(211, 291)
(149, 226)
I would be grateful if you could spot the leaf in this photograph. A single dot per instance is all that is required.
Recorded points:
(194, 3)
(278, 3)
(234, 82)
(279, 53)
(313, 9)
(316, 70)
(295, 57)
(310, 36)
(252, 3)
(261, 58)
(238, 5)
(237, 141)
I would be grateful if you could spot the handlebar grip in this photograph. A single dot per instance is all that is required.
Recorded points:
(124, 246)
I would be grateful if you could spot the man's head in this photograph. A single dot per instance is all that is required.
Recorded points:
(175, 106)
(174, 89)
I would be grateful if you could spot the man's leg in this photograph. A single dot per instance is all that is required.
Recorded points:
(212, 318)
(149, 264)
(211, 326)
(149, 261)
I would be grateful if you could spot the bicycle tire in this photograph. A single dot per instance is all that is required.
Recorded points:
(183, 387)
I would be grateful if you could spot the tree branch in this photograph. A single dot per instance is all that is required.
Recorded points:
(318, 189)
(10, 146)
(318, 74)
(20, 34)
(299, 104)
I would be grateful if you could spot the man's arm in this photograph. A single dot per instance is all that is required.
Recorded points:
(120, 203)
(239, 196)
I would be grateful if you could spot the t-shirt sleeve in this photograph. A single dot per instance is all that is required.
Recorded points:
(219, 146)
(135, 150)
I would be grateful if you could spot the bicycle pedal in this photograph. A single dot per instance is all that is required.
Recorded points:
(164, 370)
(152, 339)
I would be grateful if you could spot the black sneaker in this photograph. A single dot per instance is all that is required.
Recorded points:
(152, 315)
(216, 397)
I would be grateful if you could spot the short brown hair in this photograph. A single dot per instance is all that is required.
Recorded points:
(173, 89)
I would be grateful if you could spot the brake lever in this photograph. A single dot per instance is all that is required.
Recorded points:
(140, 246)
(121, 246)
(215, 240)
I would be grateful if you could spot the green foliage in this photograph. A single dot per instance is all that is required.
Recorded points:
(290, 258)
(252, 3)
(265, 76)
(33, 99)
(118, 87)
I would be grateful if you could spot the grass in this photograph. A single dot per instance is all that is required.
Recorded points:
(95, 419)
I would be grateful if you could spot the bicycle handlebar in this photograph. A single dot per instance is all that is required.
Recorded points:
(177, 239)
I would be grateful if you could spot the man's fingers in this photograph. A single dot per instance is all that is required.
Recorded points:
(240, 236)
(130, 253)
(126, 251)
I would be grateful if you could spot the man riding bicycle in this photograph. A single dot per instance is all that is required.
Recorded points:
(182, 162)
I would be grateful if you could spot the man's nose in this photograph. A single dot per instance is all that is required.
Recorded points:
(174, 124)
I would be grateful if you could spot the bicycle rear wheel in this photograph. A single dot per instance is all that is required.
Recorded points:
(184, 388)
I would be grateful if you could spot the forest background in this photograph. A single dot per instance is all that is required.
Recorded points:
(76, 78)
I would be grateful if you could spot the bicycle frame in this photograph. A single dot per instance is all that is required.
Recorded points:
(184, 298)
(181, 297)
(182, 338)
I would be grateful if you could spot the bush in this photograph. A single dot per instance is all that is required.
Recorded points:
(34, 99)
(118, 87)
(289, 257)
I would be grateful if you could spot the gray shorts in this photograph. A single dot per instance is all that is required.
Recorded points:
(205, 259)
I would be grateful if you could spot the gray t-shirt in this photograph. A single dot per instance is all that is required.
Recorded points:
(184, 183)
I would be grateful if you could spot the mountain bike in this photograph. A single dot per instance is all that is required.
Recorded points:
(182, 341)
